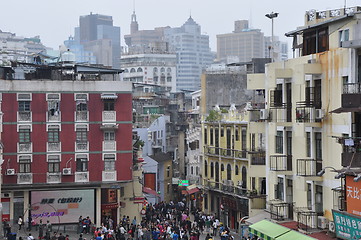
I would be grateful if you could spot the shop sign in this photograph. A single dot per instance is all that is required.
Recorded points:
(353, 196)
(347, 226)
(183, 183)
(110, 206)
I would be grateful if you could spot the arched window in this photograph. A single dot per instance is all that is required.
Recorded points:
(212, 170)
(126, 70)
(169, 70)
(237, 170)
(192, 170)
(222, 167)
(229, 172)
(244, 177)
(196, 170)
(162, 70)
(139, 69)
(155, 70)
(205, 168)
(132, 70)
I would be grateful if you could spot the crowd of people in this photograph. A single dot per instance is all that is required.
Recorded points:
(162, 221)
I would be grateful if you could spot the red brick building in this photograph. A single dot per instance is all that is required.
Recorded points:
(67, 143)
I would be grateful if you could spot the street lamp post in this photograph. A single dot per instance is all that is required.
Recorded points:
(271, 16)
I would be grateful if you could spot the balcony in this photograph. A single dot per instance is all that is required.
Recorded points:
(82, 146)
(24, 116)
(308, 167)
(339, 200)
(109, 176)
(109, 145)
(351, 155)
(227, 187)
(280, 210)
(53, 146)
(258, 157)
(81, 176)
(281, 162)
(53, 177)
(306, 219)
(109, 116)
(351, 97)
(81, 116)
(25, 178)
(225, 152)
(54, 116)
(25, 147)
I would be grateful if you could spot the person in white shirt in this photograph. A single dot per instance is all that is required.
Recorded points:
(30, 237)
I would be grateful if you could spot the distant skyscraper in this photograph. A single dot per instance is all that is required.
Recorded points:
(97, 34)
(245, 43)
(193, 53)
(280, 48)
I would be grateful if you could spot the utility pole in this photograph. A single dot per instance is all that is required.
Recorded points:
(271, 16)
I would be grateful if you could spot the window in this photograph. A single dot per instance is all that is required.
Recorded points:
(24, 164)
(53, 134)
(318, 199)
(318, 145)
(205, 168)
(109, 162)
(205, 136)
(309, 196)
(192, 170)
(222, 132)
(24, 135)
(109, 136)
(244, 139)
(168, 171)
(308, 144)
(222, 167)
(237, 134)
(211, 136)
(81, 106)
(212, 170)
(24, 106)
(279, 142)
(81, 134)
(82, 163)
(229, 172)
(108, 104)
(237, 170)
(344, 35)
(53, 108)
(53, 164)
(279, 194)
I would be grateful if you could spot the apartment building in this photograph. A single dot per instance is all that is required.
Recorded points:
(310, 116)
(67, 137)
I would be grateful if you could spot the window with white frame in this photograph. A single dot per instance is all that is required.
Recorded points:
(24, 164)
(53, 163)
(81, 133)
(24, 134)
(109, 136)
(53, 134)
(82, 163)
(344, 35)
(279, 142)
(109, 162)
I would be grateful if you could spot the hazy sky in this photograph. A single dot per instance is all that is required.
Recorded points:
(54, 20)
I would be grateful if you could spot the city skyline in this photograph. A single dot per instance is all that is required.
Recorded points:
(42, 17)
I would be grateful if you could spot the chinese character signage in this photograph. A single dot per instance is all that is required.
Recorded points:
(347, 226)
(353, 196)
(184, 183)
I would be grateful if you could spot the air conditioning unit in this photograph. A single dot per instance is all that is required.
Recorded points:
(331, 227)
(10, 172)
(263, 114)
(66, 171)
(320, 113)
(322, 222)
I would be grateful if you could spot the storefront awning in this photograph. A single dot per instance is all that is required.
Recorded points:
(268, 230)
(193, 190)
(294, 235)
(108, 96)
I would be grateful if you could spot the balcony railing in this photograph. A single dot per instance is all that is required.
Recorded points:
(225, 152)
(281, 162)
(53, 177)
(25, 178)
(109, 145)
(25, 147)
(278, 114)
(54, 147)
(81, 116)
(306, 219)
(81, 176)
(81, 146)
(54, 117)
(109, 116)
(351, 155)
(228, 187)
(109, 176)
(351, 88)
(24, 116)
(280, 210)
(258, 158)
(308, 167)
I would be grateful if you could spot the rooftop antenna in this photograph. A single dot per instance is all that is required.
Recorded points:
(133, 5)
(345, 4)
(250, 15)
